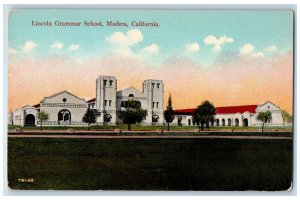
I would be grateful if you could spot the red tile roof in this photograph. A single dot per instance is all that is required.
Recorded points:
(188, 111)
(221, 110)
(236, 109)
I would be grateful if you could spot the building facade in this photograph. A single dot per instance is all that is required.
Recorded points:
(67, 109)
(245, 115)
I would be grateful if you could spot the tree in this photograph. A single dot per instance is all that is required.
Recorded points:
(169, 113)
(89, 117)
(204, 114)
(132, 113)
(264, 117)
(287, 118)
(42, 116)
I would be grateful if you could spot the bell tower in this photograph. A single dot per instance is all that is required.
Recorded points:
(106, 91)
(154, 91)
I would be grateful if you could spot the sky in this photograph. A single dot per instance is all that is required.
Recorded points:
(226, 57)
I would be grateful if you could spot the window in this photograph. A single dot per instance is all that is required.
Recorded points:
(110, 82)
(64, 100)
(123, 103)
(107, 118)
(131, 95)
(158, 85)
(105, 102)
(104, 81)
(109, 103)
(156, 104)
(155, 118)
(153, 85)
(153, 104)
(64, 115)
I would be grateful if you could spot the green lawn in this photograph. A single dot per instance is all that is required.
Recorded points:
(150, 164)
(137, 127)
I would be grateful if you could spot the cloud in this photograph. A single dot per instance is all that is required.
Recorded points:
(258, 54)
(246, 49)
(212, 40)
(132, 37)
(74, 47)
(12, 51)
(28, 46)
(122, 42)
(192, 48)
(56, 45)
(249, 50)
(151, 49)
(271, 49)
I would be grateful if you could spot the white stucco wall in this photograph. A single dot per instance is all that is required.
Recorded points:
(277, 119)
(152, 92)
(64, 101)
(19, 116)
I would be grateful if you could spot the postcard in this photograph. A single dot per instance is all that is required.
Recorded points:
(150, 100)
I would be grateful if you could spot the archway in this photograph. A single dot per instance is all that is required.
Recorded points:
(229, 122)
(155, 118)
(107, 118)
(218, 122)
(245, 122)
(64, 115)
(30, 120)
(237, 122)
(223, 122)
(189, 121)
(179, 121)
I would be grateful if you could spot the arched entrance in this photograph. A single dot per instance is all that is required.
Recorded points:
(237, 122)
(189, 121)
(218, 122)
(229, 122)
(179, 121)
(64, 115)
(223, 122)
(30, 120)
(107, 118)
(155, 118)
(245, 122)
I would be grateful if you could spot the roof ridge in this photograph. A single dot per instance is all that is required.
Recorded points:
(58, 93)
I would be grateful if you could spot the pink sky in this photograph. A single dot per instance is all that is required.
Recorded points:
(235, 81)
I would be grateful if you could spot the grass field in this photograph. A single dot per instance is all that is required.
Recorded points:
(137, 127)
(150, 164)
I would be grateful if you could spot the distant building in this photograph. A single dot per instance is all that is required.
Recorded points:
(244, 115)
(66, 109)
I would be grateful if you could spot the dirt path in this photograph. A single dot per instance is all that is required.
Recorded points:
(150, 137)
